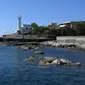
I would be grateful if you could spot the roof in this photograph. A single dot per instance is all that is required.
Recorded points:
(26, 24)
(62, 25)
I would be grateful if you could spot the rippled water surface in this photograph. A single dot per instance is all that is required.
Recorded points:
(15, 71)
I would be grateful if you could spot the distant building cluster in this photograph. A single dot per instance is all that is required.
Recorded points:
(53, 26)
(66, 24)
(71, 24)
(26, 28)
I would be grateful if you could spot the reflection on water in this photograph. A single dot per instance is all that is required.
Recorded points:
(15, 71)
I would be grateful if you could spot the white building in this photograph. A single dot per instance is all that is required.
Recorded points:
(26, 28)
(53, 26)
(65, 24)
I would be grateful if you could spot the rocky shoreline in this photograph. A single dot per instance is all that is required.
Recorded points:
(36, 45)
(67, 46)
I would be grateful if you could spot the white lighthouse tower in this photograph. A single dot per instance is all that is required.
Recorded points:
(19, 24)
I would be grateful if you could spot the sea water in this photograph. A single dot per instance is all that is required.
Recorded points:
(14, 70)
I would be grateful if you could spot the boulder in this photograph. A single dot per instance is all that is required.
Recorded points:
(32, 58)
(58, 62)
(39, 52)
(47, 63)
(49, 59)
(74, 64)
(42, 62)
(65, 61)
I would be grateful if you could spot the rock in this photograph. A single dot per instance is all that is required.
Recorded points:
(47, 63)
(49, 59)
(65, 61)
(32, 58)
(74, 64)
(58, 62)
(39, 52)
(55, 61)
(29, 47)
(78, 64)
(42, 62)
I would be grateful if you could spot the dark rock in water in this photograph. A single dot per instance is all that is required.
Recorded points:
(29, 47)
(39, 52)
(42, 62)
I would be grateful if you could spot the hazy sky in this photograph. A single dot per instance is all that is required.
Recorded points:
(40, 11)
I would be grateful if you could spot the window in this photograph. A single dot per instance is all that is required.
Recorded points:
(26, 28)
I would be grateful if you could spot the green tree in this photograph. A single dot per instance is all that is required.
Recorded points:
(35, 28)
(34, 25)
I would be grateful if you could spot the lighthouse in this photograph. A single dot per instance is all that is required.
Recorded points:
(26, 28)
(19, 24)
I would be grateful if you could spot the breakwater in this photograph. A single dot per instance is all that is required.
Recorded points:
(22, 41)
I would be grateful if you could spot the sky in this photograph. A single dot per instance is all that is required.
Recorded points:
(42, 12)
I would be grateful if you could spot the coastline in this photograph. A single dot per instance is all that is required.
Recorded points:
(67, 46)
(35, 45)
(31, 43)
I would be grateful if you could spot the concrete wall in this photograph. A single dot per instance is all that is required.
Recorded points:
(71, 39)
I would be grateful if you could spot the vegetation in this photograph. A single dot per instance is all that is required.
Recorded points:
(77, 30)
(34, 25)
(39, 30)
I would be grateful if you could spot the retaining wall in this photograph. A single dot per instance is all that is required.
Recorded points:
(71, 39)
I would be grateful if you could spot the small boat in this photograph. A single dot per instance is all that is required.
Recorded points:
(39, 52)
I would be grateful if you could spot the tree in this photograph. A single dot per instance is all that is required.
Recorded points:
(34, 25)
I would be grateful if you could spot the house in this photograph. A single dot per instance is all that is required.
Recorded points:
(66, 24)
(26, 28)
(53, 26)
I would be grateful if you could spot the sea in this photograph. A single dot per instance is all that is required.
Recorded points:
(15, 70)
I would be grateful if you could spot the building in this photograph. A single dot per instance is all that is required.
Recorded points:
(57, 26)
(26, 28)
(71, 24)
(53, 26)
(76, 23)
(66, 24)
